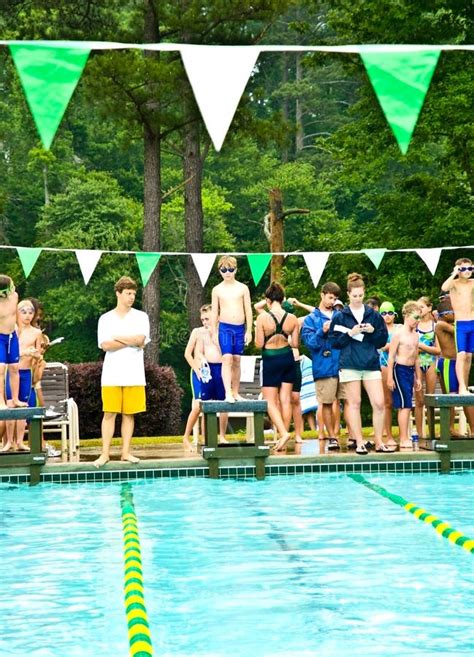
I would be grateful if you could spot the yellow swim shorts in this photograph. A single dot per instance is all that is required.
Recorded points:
(123, 399)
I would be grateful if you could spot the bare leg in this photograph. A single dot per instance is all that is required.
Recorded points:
(223, 420)
(320, 419)
(328, 418)
(404, 424)
(285, 403)
(3, 402)
(271, 396)
(15, 385)
(236, 378)
(387, 393)
(352, 411)
(192, 419)
(336, 414)
(297, 417)
(311, 418)
(128, 423)
(375, 391)
(227, 360)
(469, 413)
(20, 435)
(108, 428)
(10, 426)
(463, 367)
(420, 405)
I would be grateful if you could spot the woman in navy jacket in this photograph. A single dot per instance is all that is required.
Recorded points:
(358, 331)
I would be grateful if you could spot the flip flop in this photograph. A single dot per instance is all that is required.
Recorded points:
(384, 448)
(362, 451)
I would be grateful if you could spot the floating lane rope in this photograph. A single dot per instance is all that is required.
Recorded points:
(137, 619)
(438, 525)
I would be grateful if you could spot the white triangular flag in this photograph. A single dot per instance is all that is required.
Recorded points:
(204, 263)
(316, 262)
(430, 257)
(218, 76)
(87, 259)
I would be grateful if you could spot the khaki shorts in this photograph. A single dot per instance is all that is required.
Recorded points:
(123, 399)
(327, 389)
(345, 376)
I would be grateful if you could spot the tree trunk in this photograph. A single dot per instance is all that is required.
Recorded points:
(276, 232)
(193, 213)
(152, 202)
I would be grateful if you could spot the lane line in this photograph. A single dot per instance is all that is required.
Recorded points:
(442, 528)
(139, 636)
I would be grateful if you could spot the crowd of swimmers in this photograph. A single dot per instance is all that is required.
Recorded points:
(352, 347)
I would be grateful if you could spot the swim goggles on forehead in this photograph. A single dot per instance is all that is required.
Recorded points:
(224, 270)
(470, 268)
(445, 312)
(4, 292)
(26, 309)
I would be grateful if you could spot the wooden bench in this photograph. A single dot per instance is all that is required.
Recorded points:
(254, 452)
(446, 444)
(35, 458)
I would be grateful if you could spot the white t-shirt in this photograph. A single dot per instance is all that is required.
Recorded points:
(359, 313)
(124, 367)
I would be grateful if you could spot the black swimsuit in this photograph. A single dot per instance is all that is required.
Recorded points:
(278, 365)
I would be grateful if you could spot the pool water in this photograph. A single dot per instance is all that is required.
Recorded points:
(291, 566)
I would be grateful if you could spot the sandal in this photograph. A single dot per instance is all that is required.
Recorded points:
(384, 448)
(361, 450)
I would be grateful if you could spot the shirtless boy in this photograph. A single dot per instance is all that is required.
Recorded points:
(9, 347)
(231, 324)
(460, 286)
(403, 368)
(30, 342)
(446, 366)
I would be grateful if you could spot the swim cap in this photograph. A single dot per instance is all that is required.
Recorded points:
(288, 307)
(387, 307)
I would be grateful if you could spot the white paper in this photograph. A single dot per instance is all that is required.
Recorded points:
(247, 369)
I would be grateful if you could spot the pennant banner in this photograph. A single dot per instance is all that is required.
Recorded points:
(49, 76)
(375, 255)
(316, 262)
(400, 81)
(218, 76)
(87, 259)
(28, 257)
(146, 264)
(258, 263)
(430, 257)
(204, 262)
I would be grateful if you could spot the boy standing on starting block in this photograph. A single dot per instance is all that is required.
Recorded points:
(9, 345)
(403, 368)
(231, 324)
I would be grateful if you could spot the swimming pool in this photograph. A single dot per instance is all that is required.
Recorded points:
(291, 566)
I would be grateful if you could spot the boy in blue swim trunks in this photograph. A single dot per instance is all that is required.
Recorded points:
(231, 324)
(403, 369)
(9, 346)
(460, 286)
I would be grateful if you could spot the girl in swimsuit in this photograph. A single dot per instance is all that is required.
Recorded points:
(428, 349)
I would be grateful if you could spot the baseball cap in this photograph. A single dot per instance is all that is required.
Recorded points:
(387, 307)
(338, 302)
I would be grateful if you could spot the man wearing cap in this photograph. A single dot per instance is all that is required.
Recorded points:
(387, 310)
(325, 359)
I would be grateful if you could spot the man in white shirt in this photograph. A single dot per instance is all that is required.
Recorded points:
(122, 333)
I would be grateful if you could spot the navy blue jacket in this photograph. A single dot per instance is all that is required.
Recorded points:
(318, 343)
(357, 355)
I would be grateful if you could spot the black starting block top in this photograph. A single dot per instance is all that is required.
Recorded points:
(22, 413)
(250, 406)
(439, 401)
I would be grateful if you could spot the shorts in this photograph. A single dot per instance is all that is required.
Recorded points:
(214, 388)
(25, 385)
(345, 376)
(123, 399)
(278, 366)
(195, 385)
(298, 377)
(326, 389)
(9, 348)
(448, 379)
(464, 331)
(404, 377)
(232, 338)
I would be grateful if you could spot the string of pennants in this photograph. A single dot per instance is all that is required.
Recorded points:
(50, 70)
(315, 261)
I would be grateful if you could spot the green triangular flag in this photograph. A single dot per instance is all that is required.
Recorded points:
(28, 257)
(48, 76)
(146, 264)
(400, 81)
(376, 255)
(258, 263)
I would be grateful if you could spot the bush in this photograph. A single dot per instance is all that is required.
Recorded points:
(163, 401)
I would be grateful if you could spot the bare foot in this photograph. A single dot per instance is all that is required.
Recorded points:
(188, 447)
(222, 439)
(391, 443)
(230, 399)
(405, 444)
(6, 448)
(298, 439)
(102, 460)
(238, 397)
(3, 406)
(22, 448)
(130, 458)
(19, 404)
(281, 444)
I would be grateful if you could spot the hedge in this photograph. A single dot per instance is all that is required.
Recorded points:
(163, 396)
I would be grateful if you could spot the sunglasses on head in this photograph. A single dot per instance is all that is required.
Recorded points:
(470, 268)
(26, 310)
(445, 312)
(416, 317)
(388, 312)
(224, 270)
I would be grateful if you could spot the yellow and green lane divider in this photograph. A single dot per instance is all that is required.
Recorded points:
(137, 619)
(442, 528)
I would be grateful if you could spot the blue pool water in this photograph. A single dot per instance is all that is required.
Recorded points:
(292, 566)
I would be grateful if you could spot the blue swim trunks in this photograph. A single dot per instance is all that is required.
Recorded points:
(195, 385)
(465, 335)
(213, 389)
(448, 379)
(9, 348)
(25, 385)
(404, 377)
(232, 338)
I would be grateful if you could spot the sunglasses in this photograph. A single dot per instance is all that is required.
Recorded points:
(466, 269)
(388, 312)
(416, 317)
(224, 270)
(445, 312)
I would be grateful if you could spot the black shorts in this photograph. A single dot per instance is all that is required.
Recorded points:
(298, 377)
(278, 366)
